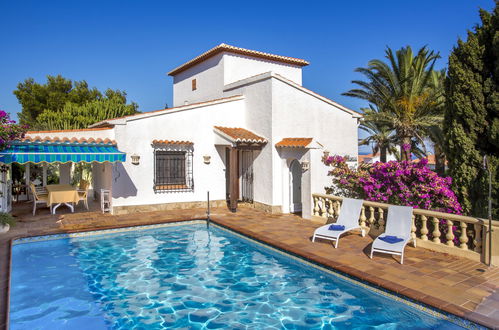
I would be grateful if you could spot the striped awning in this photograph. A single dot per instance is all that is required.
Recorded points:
(24, 152)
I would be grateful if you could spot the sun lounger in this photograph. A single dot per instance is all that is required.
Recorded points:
(348, 220)
(397, 233)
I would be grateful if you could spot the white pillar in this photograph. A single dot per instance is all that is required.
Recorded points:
(27, 174)
(44, 169)
(65, 173)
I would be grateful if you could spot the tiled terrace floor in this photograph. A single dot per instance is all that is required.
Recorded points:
(453, 284)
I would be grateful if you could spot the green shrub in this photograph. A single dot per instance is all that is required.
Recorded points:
(7, 219)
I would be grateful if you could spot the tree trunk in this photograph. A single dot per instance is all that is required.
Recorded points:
(439, 160)
(382, 155)
(405, 149)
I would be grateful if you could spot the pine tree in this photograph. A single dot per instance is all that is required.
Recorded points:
(53, 99)
(471, 124)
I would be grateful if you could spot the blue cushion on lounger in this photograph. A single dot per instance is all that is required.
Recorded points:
(336, 227)
(391, 239)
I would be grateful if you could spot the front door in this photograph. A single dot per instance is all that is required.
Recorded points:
(247, 175)
(295, 187)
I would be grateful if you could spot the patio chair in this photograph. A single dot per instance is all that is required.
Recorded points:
(38, 198)
(347, 221)
(106, 202)
(397, 233)
(83, 192)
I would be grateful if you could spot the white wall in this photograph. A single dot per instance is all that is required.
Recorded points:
(276, 110)
(102, 176)
(299, 114)
(238, 67)
(209, 80)
(257, 118)
(222, 69)
(134, 183)
(65, 173)
(389, 157)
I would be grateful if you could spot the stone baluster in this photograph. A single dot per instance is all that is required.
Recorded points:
(436, 230)
(413, 228)
(323, 208)
(477, 237)
(464, 236)
(424, 228)
(331, 208)
(381, 220)
(363, 217)
(316, 206)
(337, 209)
(371, 216)
(450, 233)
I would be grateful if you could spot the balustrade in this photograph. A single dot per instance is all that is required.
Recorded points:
(437, 230)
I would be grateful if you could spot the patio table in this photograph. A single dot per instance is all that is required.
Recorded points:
(62, 194)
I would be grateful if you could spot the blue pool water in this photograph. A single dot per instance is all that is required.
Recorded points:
(188, 277)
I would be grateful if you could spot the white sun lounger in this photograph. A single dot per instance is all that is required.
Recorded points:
(398, 224)
(349, 217)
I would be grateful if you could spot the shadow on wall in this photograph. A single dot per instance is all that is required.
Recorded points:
(123, 186)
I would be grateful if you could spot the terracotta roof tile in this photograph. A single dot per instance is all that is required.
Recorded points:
(365, 158)
(237, 50)
(431, 160)
(67, 140)
(294, 142)
(171, 142)
(237, 134)
(69, 130)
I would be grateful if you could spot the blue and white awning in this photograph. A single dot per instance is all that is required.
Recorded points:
(49, 152)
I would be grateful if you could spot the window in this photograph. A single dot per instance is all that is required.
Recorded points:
(194, 87)
(173, 171)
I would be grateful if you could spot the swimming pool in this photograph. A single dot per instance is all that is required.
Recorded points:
(192, 277)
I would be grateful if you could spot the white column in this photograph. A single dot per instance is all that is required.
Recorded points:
(44, 169)
(65, 173)
(27, 174)
(27, 179)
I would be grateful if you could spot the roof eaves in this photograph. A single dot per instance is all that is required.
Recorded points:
(220, 131)
(123, 120)
(237, 50)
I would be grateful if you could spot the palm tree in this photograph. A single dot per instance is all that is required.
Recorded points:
(381, 136)
(401, 89)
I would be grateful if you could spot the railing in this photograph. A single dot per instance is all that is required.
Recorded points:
(444, 232)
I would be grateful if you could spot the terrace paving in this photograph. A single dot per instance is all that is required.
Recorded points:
(453, 284)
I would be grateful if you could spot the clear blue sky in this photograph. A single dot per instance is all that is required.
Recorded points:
(130, 45)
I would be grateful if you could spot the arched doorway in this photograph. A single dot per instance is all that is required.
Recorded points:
(295, 187)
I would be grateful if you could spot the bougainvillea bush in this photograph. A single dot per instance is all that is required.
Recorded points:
(400, 183)
(9, 130)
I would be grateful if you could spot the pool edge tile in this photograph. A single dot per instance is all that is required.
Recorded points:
(371, 282)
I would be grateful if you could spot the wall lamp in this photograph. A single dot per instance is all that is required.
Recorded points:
(135, 159)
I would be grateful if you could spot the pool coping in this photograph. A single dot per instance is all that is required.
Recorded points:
(345, 270)
(396, 297)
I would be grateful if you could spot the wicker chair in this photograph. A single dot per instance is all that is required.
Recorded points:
(83, 192)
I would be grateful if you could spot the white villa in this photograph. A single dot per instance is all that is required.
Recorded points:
(242, 127)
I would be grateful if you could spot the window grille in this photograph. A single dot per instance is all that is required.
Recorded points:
(173, 171)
